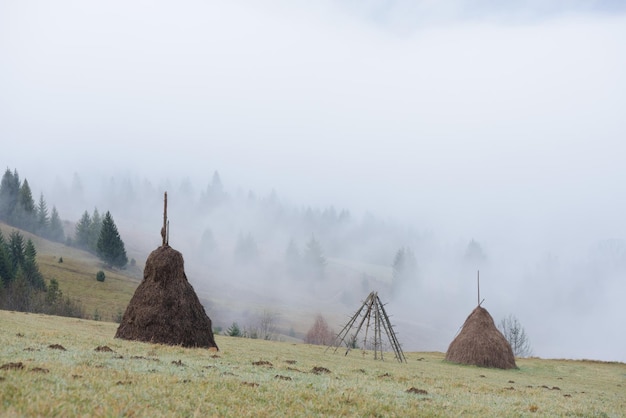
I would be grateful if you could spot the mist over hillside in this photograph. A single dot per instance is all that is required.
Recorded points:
(573, 286)
(379, 125)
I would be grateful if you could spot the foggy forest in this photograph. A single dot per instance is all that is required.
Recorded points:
(250, 254)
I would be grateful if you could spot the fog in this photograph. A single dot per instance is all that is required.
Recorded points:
(432, 125)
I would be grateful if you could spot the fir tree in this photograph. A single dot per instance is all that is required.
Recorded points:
(20, 293)
(110, 246)
(56, 227)
(314, 259)
(94, 230)
(474, 253)
(53, 294)
(16, 250)
(234, 330)
(404, 266)
(81, 233)
(25, 215)
(6, 269)
(30, 268)
(215, 191)
(9, 193)
(43, 218)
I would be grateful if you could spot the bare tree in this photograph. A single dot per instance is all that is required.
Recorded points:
(264, 328)
(320, 333)
(516, 336)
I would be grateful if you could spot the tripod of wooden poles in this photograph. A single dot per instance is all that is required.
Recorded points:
(371, 314)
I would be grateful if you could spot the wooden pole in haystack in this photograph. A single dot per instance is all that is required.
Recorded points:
(478, 282)
(164, 229)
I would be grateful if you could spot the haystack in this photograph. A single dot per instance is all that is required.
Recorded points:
(165, 309)
(480, 343)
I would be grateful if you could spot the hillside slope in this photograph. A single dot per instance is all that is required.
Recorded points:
(76, 275)
(53, 366)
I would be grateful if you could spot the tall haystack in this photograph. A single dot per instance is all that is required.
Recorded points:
(165, 309)
(480, 343)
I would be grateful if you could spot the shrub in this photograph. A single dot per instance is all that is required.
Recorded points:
(234, 330)
(100, 276)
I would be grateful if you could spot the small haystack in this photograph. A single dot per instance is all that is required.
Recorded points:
(165, 309)
(480, 343)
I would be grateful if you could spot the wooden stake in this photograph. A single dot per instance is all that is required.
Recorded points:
(478, 278)
(164, 229)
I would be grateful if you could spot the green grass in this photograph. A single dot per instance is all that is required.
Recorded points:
(77, 279)
(140, 379)
(77, 276)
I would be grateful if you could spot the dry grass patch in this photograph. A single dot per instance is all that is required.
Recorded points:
(144, 379)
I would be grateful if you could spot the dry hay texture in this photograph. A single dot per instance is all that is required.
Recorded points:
(165, 309)
(480, 343)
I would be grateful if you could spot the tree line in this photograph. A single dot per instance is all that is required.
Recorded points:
(99, 235)
(22, 286)
(18, 208)
(93, 233)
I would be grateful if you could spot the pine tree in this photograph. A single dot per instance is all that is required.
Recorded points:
(26, 197)
(56, 227)
(94, 230)
(234, 330)
(9, 193)
(404, 266)
(25, 211)
(314, 259)
(215, 191)
(16, 250)
(110, 246)
(20, 293)
(6, 269)
(82, 231)
(474, 252)
(43, 218)
(30, 268)
(53, 294)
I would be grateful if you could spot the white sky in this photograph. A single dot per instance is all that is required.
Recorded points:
(479, 120)
(389, 105)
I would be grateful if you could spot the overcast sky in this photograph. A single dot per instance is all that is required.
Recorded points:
(479, 119)
(414, 108)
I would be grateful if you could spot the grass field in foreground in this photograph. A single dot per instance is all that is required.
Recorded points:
(49, 366)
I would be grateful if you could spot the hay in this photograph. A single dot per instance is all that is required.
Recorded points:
(480, 343)
(165, 309)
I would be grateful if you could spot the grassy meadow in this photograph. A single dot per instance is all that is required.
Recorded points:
(55, 366)
(77, 276)
(77, 279)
